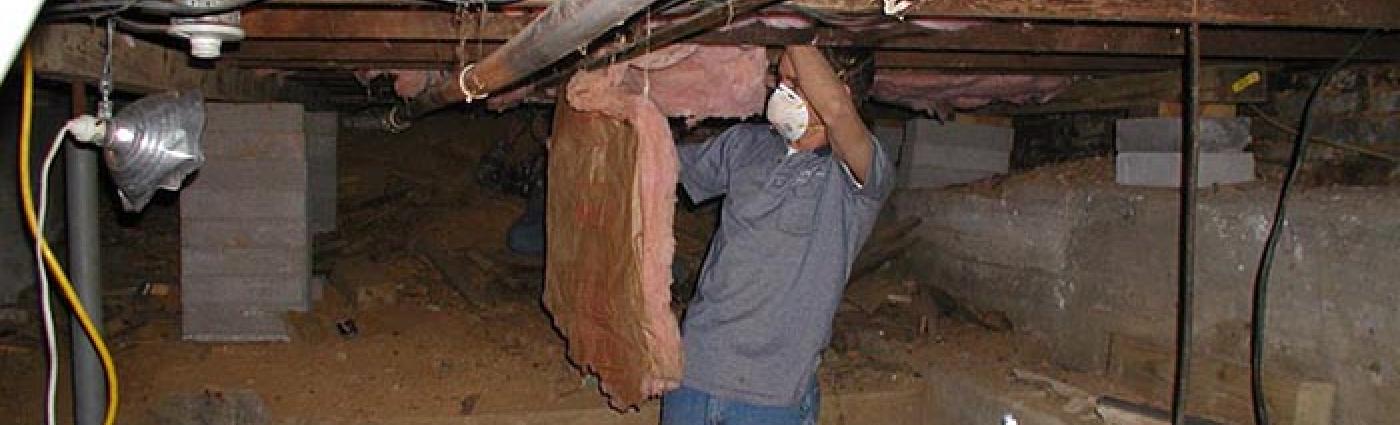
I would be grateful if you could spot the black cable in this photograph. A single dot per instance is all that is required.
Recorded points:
(156, 7)
(140, 27)
(1261, 277)
(1186, 221)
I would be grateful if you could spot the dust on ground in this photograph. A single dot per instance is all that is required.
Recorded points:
(449, 321)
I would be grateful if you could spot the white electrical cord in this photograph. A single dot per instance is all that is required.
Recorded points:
(45, 302)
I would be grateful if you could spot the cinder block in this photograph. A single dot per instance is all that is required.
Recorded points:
(254, 146)
(270, 291)
(219, 322)
(938, 155)
(241, 174)
(891, 137)
(321, 133)
(241, 232)
(960, 158)
(244, 203)
(1164, 134)
(924, 131)
(289, 259)
(245, 247)
(1164, 169)
(254, 117)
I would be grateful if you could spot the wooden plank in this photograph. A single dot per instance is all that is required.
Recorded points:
(1310, 13)
(360, 51)
(992, 120)
(1039, 63)
(73, 52)
(316, 65)
(1046, 37)
(1304, 13)
(1138, 90)
(386, 24)
(1208, 110)
(1219, 389)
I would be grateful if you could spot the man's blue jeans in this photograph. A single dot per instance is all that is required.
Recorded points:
(688, 406)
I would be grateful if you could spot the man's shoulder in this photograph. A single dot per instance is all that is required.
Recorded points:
(750, 132)
(746, 139)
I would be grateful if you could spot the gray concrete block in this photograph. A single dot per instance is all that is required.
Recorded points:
(933, 177)
(242, 232)
(290, 259)
(254, 117)
(959, 158)
(244, 203)
(217, 322)
(1164, 169)
(891, 137)
(267, 291)
(321, 132)
(224, 145)
(925, 131)
(1164, 134)
(238, 174)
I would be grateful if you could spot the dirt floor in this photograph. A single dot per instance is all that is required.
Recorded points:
(449, 320)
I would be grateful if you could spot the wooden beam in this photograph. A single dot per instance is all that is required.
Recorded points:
(1016, 37)
(1295, 13)
(73, 52)
(384, 24)
(1218, 84)
(1021, 63)
(310, 65)
(359, 51)
(991, 36)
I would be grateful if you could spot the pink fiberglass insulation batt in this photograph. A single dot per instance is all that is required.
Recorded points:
(682, 80)
(694, 81)
(932, 91)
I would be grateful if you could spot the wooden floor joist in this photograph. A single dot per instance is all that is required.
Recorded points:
(420, 38)
(1257, 13)
(73, 52)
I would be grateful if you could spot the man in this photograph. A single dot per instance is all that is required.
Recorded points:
(801, 195)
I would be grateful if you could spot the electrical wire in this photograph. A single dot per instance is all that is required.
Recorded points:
(45, 297)
(65, 286)
(1266, 260)
(140, 27)
(155, 7)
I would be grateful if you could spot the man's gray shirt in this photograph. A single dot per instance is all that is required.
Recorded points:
(791, 224)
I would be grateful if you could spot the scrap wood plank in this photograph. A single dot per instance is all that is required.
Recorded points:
(1219, 389)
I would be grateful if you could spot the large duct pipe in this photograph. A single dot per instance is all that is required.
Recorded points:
(562, 28)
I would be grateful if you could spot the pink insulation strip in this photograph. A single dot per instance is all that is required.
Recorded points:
(933, 91)
(610, 92)
(693, 81)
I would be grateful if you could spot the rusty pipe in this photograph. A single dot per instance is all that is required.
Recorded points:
(564, 27)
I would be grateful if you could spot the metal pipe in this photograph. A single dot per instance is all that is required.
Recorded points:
(564, 27)
(716, 15)
(1186, 224)
(85, 269)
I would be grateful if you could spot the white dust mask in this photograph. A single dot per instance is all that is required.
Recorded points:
(788, 112)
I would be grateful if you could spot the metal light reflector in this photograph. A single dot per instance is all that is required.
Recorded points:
(153, 143)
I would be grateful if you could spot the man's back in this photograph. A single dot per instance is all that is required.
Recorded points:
(792, 222)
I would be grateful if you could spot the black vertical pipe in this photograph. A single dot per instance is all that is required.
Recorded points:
(84, 269)
(1186, 224)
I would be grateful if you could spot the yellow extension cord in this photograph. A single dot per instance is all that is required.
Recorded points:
(66, 287)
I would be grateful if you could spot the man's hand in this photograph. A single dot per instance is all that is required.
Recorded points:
(805, 66)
